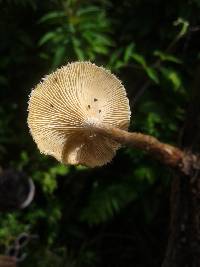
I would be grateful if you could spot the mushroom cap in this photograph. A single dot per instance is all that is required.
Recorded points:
(64, 107)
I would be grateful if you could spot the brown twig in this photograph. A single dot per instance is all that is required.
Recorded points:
(169, 155)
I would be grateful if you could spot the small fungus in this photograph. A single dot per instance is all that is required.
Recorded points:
(67, 131)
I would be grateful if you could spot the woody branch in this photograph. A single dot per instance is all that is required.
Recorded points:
(169, 155)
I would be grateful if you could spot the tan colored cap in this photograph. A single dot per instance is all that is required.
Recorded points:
(64, 107)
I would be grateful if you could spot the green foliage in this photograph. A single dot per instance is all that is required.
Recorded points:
(73, 28)
(184, 26)
(10, 228)
(163, 56)
(83, 215)
(149, 71)
(47, 179)
(105, 202)
(172, 76)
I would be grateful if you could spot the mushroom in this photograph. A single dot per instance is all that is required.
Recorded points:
(67, 105)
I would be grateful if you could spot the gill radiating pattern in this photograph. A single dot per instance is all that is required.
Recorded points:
(65, 105)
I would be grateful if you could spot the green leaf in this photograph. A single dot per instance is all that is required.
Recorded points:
(78, 51)
(102, 39)
(86, 10)
(119, 64)
(149, 70)
(167, 57)
(47, 37)
(114, 57)
(172, 76)
(59, 56)
(139, 59)
(128, 52)
(24, 160)
(49, 183)
(145, 173)
(153, 120)
(59, 170)
(104, 203)
(52, 15)
(152, 73)
(184, 26)
(101, 49)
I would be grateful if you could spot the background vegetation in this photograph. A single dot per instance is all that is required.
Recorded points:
(116, 215)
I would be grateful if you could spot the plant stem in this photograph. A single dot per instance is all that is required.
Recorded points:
(169, 155)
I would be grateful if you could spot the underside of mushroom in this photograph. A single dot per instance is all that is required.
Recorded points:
(66, 105)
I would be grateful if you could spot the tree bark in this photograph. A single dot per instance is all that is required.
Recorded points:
(183, 249)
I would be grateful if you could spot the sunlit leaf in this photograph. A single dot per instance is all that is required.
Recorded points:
(152, 73)
(47, 37)
(101, 49)
(145, 173)
(149, 70)
(172, 76)
(86, 10)
(128, 52)
(52, 15)
(184, 26)
(167, 57)
(139, 59)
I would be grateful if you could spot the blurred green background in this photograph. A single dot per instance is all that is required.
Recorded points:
(117, 215)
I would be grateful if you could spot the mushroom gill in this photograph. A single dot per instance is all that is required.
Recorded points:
(66, 105)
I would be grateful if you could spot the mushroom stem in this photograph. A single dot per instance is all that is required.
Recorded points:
(169, 155)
